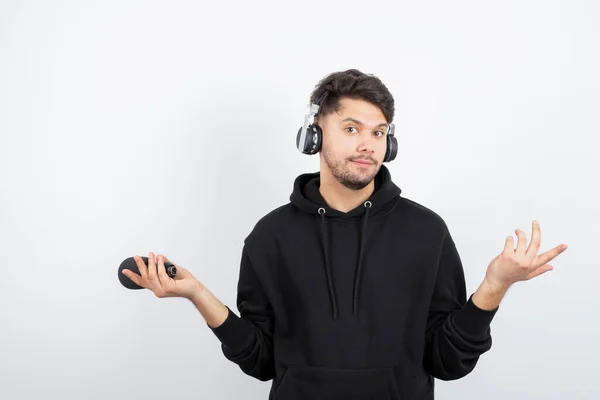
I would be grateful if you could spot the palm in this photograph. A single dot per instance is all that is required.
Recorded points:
(522, 263)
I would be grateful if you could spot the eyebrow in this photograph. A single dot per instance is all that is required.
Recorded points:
(357, 122)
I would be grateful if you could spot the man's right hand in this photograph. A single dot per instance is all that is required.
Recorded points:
(154, 277)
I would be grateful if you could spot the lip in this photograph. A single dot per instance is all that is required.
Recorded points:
(362, 162)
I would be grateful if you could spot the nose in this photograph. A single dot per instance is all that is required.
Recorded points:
(366, 144)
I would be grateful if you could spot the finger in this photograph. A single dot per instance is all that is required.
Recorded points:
(539, 271)
(509, 245)
(162, 273)
(548, 256)
(536, 238)
(152, 267)
(141, 266)
(135, 278)
(522, 243)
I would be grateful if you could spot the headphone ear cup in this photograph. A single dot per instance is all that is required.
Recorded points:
(312, 143)
(317, 139)
(391, 150)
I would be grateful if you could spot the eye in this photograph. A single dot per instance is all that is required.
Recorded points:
(379, 133)
(350, 127)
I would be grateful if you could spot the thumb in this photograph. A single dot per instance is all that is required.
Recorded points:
(539, 271)
(182, 273)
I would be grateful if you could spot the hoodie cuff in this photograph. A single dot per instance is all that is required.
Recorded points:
(233, 332)
(473, 320)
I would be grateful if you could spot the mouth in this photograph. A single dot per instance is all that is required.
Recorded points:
(363, 162)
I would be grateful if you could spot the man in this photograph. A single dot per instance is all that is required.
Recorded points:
(351, 291)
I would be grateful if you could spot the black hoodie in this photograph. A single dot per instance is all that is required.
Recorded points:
(368, 304)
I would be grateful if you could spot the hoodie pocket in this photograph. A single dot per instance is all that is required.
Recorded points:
(319, 383)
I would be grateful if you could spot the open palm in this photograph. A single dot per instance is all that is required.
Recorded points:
(523, 262)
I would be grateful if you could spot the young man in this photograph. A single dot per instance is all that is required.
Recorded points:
(351, 291)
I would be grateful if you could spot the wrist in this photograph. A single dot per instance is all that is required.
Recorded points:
(196, 293)
(212, 309)
(495, 287)
(489, 294)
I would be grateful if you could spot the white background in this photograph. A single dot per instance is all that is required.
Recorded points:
(128, 127)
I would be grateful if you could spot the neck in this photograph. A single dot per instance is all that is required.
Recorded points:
(341, 198)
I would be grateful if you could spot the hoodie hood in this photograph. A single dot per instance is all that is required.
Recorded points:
(306, 197)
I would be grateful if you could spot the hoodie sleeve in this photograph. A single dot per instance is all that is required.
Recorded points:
(247, 340)
(458, 332)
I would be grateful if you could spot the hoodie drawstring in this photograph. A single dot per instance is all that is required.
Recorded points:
(357, 278)
(327, 266)
(360, 256)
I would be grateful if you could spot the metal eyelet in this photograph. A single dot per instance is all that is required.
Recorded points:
(321, 211)
(368, 204)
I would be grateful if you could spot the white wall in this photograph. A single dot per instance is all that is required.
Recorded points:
(128, 127)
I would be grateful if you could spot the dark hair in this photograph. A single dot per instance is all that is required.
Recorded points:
(353, 84)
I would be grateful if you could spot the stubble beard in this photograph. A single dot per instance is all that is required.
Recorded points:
(343, 171)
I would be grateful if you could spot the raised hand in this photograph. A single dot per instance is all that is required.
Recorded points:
(155, 278)
(521, 263)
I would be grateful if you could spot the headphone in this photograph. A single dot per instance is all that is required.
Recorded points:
(310, 135)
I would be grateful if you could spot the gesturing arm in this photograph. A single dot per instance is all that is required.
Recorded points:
(458, 332)
(247, 340)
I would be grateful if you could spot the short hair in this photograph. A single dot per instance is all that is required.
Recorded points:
(352, 84)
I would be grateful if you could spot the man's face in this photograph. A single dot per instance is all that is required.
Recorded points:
(354, 142)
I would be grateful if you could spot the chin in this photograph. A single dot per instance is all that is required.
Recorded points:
(357, 181)
(353, 185)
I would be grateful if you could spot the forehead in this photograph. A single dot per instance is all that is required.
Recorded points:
(361, 110)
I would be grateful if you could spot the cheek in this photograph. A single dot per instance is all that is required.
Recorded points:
(380, 149)
(338, 148)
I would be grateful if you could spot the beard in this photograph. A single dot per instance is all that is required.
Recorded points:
(345, 173)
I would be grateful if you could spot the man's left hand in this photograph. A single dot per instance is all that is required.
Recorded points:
(523, 263)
